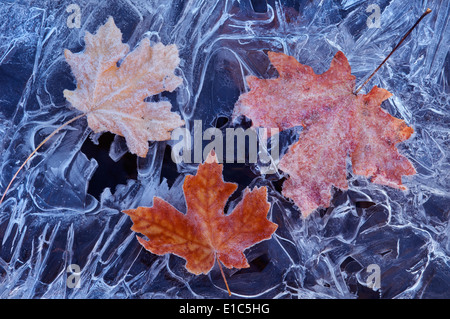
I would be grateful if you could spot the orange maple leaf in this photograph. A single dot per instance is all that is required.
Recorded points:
(336, 122)
(113, 96)
(205, 233)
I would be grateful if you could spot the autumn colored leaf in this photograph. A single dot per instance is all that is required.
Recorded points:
(337, 123)
(205, 233)
(113, 96)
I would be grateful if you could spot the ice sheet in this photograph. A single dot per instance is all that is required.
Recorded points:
(49, 220)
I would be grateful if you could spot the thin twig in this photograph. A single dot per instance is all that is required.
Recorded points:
(36, 149)
(223, 276)
(393, 50)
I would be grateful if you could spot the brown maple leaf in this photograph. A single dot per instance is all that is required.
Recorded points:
(336, 123)
(205, 233)
(113, 96)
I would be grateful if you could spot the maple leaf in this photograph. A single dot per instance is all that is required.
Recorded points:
(113, 96)
(337, 124)
(205, 233)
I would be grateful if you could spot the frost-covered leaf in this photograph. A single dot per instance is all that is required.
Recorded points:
(113, 96)
(205, 233)
(336, 122)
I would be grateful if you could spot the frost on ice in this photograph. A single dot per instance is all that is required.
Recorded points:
(49, 221)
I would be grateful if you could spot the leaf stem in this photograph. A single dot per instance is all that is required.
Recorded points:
(36, 149)
(393, 50)
(223, 276)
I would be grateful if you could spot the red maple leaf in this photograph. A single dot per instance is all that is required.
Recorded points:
(337, 123)
(204, 233)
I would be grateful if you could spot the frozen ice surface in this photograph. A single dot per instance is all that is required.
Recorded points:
(49, 219)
